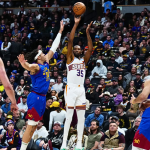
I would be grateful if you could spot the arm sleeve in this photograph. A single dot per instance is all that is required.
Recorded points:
(16, 141)
(50, 121)
(56, 43)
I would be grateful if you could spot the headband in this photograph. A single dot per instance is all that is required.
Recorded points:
(39, 53)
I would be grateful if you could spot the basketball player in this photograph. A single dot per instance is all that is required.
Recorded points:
(141, 139)
(75, 92)
(38, 65)
(8, 87)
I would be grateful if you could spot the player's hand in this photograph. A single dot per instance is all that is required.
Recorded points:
(21, 58)
(88, 27)
(61, 25)
(14, 107)
(77, 19)
(132, 99)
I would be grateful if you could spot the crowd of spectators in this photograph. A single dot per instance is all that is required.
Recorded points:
(118, 65)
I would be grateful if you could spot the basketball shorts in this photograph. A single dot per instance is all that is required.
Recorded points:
(36, 106)
(142, 136)
(75, 96)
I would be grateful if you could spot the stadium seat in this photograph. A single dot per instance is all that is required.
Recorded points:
(113, 114)
(95, 80)
(105, 114)
(116, 74)
(93, 107)
(137, 14)
(88, 113)
(128, 15)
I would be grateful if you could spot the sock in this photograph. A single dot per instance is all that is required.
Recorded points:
(24, 146)
(67, 126)
(80, 127)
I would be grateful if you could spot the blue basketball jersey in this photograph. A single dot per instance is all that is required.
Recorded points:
(2, 29)
(41, 80)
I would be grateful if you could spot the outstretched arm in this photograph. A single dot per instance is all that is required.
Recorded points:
(143, 96)
(26, 65)
(7, 86)
(70, 55)
(55, 44)
(90, 45)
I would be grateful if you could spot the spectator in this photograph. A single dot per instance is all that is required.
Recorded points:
(6, 107)
(94, 135)
(1, 4)
(108, 81)
(124, 66)
(101, 87)
(99, 71)
(108, 140)
(143, 47)
(114, 119)
(22, 11)
(40, 132)
(114, 88)
(46, 115)
(138, 81)
(73, 140)
(125, 101)
(57, 136)
(108, 5)
(133, 112)
(131, 132)
(1, 87)
(109, 41)
(58, 86)
(112, 64)
(107, 104)
(57, 114)
(23, 105)
(131, 59)
(96, 115)
(113, 33)
(19, 88)
(145, 74)
(130, 76)
(137, 65)
(124, 120)
(87, 83)
(55, 4)
(120, 80)
(91, 95)
(19, 123)
(11, 136)
(118, 58)
(118, 99)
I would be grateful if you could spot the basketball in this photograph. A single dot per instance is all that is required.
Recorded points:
(79, 8)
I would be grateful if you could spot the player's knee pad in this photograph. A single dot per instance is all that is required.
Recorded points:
(32, 122)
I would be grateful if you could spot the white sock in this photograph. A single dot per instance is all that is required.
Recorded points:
(80, 127)
(24, 146)
(67, 126)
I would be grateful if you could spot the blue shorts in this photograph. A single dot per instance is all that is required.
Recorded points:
(36, 106)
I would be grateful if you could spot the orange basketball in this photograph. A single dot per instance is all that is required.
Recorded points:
(79, 8)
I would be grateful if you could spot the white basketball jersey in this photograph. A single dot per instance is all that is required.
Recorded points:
(76, 71)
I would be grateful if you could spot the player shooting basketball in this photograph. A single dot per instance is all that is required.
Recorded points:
(75, 92)
(142, 136)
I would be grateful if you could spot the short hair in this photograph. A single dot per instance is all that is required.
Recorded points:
(99, 107)
(27, 89)
(97, 122)
(113, 122)
(120, 106)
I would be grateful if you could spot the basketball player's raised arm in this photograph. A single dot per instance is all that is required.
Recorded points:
(142, 96)
(26, 65)
(70, 55)
(7, 86)
(55, 44)
(90, 45)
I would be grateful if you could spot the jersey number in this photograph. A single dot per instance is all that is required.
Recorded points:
(80, 73)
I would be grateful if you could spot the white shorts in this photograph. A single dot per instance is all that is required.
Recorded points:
(75, 95)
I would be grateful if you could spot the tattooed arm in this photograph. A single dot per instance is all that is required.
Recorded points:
(121, 147)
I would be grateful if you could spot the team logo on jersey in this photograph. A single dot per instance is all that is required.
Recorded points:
(137, 141)
(76, 66)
